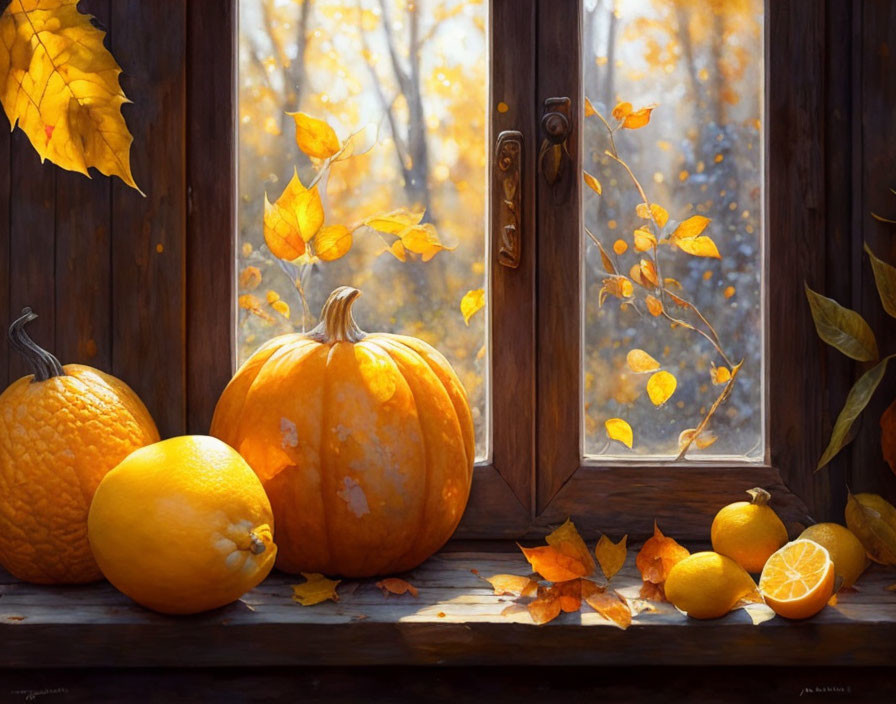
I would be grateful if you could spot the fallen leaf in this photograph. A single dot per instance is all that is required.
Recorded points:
(553, 564)
(515, 608)
(842, 328)
(316, 589)
(859, 396)
(639, 361)
(394, 585)
(654, 306)
(612, 607)
(619, 430)
(702, 246)
(637, 118)
(544, 609)
(60, 85)
(610, 555)
(332, 242)
(690, 228)
(885, 280)
(592, 182)
(441, 614)
(567, 539)
(660, 387)
(658, 556)
(512, 584)
(652, 592)
(569, 594)
(472, 303)
(314, 137)
(656, 211)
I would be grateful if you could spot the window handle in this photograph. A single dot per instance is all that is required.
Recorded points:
(556, 124)
(508, 173)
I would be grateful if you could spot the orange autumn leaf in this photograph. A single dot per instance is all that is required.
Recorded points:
(512, 584)
(553, 564)
(617, 286)
(610, 555)
(315, 589)
(691, 227)
(622, 110)
(589, 108)
(609, 267)
(314, 137)
(592, 182)
(281, 232)
(619, 430)
(639, 361)
(652, 592)
(635, 274)
(568, 594)
(637, 118)
(394, 585)
(644, 240)
(656, 211)
(654, 305)
(544, 609)
(720, 375)
(648, 272)
(658, 556)
(612, 607)
(567, 539)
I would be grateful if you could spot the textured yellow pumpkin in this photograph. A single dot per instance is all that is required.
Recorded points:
(364, 444)
(61, 430)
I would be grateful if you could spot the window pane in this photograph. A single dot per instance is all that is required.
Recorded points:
(671, 305)
(409, 81)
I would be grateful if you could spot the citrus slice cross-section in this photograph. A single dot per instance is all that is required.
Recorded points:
(798, 579)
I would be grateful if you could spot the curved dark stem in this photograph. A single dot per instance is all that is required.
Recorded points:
(43, 364)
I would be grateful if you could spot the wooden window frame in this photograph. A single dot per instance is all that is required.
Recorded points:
(535, 478)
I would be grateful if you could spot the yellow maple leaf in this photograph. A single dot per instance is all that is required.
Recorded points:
(314, 137)
(610, 555)
(316, 589)
(60, 85)
(660, 387)
(619, 430)
(332, 242)
(471, 303)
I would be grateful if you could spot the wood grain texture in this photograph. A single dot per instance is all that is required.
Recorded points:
(493, 510)
(211, 226)
(32, 240)
(83, 286)
(875, 135)
(559, 260)
(5, 212)
(796, 230)
(148, 234)
(457, 620)
(512, 306)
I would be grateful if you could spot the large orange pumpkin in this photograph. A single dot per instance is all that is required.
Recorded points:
(364, 444)
(61, 430)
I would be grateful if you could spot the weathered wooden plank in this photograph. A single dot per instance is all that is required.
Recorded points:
(5, 212)
(876, 131)
(211, 228)
(795, 170)
(148, 240)
(31, 245)
(83, 284)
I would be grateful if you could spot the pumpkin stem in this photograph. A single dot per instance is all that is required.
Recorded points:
(759, 496)
(43, 364)
(336, 321)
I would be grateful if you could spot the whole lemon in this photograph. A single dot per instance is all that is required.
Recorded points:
(707, 585)
(845, 548)
(748, 531)
(182, 526)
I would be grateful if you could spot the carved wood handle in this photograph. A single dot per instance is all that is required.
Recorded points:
(508, 189)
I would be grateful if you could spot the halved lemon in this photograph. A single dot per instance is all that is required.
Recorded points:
(798, 580)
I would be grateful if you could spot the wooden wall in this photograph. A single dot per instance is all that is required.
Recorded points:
(119, 279)
(133, 285)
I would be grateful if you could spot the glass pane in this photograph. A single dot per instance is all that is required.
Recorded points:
(403, 85)
(673, 306)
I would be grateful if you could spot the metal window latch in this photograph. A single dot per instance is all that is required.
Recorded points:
(556, 124)
(507, 186)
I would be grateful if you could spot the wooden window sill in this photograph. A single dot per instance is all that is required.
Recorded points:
(455, 620)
